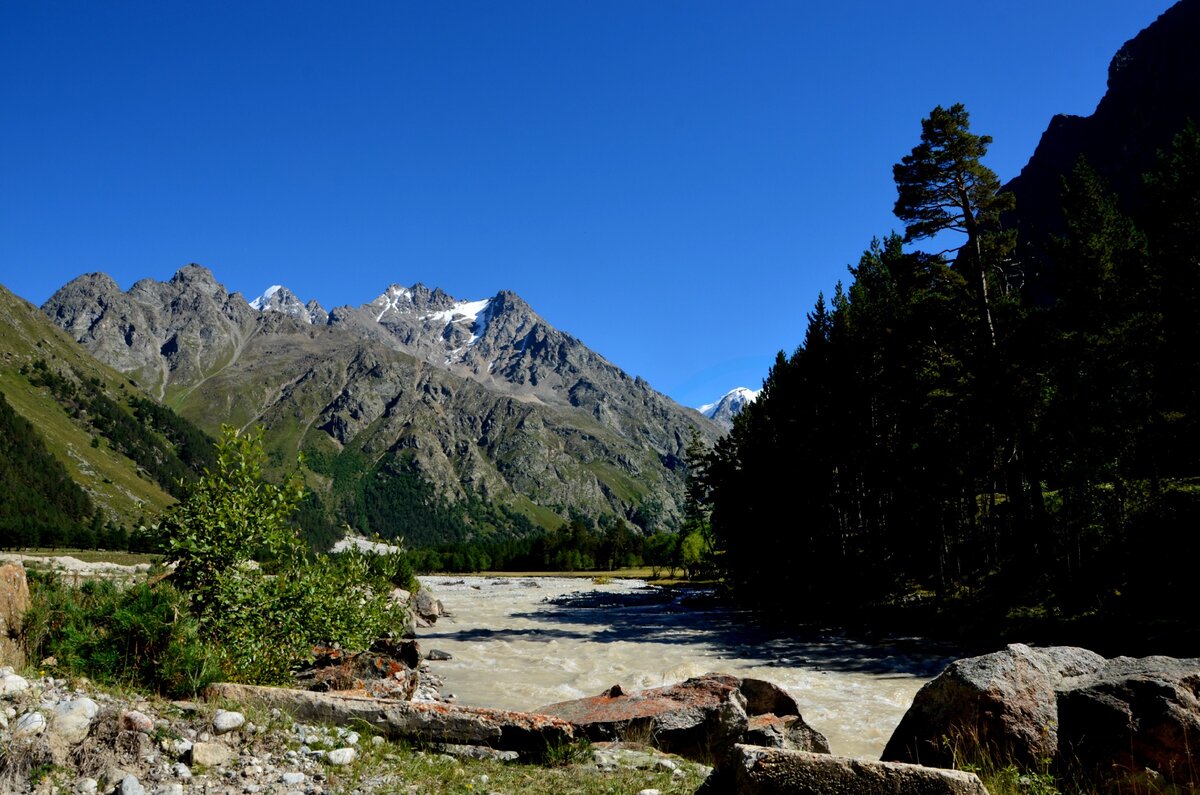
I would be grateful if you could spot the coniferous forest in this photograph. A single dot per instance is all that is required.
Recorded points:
(983, 427)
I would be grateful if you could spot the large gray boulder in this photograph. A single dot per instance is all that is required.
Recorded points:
(750, 770)
(1133, 715)
(1004, 703)
(1103, 720)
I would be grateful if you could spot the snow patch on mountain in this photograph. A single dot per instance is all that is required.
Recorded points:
(391, 300)
(730, 404)
(263, 300)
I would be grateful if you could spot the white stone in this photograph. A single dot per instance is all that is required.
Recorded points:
(174, 788)
(649, 792)
(224, 722)
(131, 786)
(341, 756)
(13, 684)
(86, 786)
(29, 724)
(293, 778)
(182, 771)
(71, 720)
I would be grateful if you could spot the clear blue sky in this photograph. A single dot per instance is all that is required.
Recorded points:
(671, 182)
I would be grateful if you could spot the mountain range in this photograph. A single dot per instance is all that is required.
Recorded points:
(481, 400)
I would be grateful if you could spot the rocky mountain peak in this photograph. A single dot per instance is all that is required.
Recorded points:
(278, 298)
(729, 406)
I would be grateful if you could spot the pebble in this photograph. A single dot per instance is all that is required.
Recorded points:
(86, 786)
(341, 756)
(650, 792)
(224, 722)
(131, 786)
(182, 771)
(29, 725)
(293, 778)
(173, 788)
(136, 721)
(11, 684)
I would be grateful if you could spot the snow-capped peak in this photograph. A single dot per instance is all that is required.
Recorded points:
(278, 298)
(260, 302)
(730, 403)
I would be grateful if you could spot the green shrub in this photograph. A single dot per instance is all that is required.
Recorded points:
(142, 636)
(259, 597)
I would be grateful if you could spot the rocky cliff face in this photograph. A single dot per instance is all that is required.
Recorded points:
(485, 396)
(1153, 90)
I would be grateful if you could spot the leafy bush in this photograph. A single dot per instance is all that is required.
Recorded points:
(253, 587)
(142, 636)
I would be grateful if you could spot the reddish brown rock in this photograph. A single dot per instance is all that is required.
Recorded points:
(389, 669)
(699, 718)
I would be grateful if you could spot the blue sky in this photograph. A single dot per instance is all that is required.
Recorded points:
(671, 182)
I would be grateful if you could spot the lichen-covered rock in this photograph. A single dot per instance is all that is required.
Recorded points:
(753, 771)
(697, 718)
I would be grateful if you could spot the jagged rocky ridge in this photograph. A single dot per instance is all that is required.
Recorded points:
(485, 397)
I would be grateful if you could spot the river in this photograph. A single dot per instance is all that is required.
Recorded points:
(520, 643)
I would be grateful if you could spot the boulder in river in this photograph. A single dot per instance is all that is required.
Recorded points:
(700, 718)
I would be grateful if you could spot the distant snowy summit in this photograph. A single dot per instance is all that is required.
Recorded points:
(730, 405)
(278, 298)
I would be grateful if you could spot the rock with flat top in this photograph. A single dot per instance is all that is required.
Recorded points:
(431, 722)
(750, 770)
(696, 718)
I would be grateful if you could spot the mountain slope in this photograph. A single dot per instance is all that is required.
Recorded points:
(1153, 90)
(109, 438)
(484, 400)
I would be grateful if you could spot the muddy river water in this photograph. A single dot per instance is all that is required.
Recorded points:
(519, 643)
